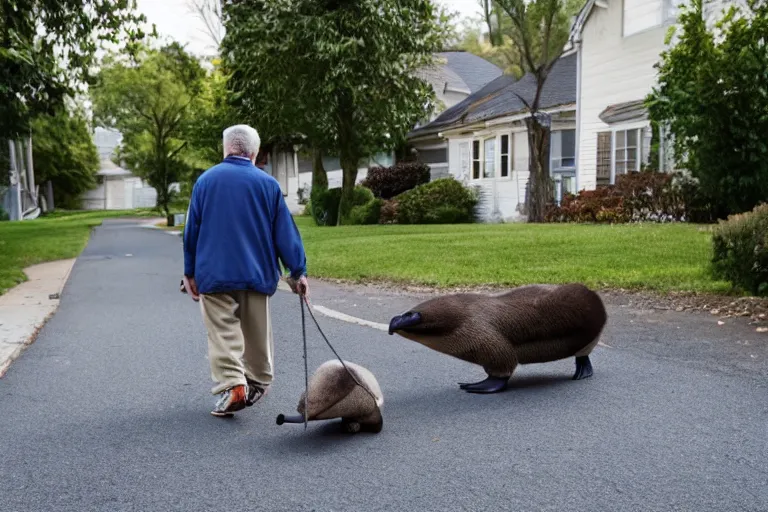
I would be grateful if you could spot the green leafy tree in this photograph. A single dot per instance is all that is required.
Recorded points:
(338, 73)
(64, 154)
(209, 114)
(493, 45)
(47, 51)
(713, 96)
(538, 30)
(148, 99)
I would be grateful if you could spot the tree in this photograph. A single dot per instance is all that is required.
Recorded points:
(209, 12)
(501, 51)
(538, 30)
(65, 155)
(48, 50)
(148, 98)
(209, 114)
(338, 73)
(713, 98)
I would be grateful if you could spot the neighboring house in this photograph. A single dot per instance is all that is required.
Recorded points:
(619, 42)
(454, 76)
(483, 140)
(117, 188)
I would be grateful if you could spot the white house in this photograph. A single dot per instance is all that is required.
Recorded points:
(117, 188)
(454, 76)
(487, 140)
(618, 43)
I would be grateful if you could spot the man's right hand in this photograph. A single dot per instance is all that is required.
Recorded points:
(300, 287)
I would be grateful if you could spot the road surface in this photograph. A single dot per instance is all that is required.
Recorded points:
(109, 410)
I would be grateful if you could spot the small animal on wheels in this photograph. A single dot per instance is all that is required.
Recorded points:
(525, 325)
(347, 391)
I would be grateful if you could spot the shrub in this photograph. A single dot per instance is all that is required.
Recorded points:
(388, 182)
(600, 205)
(324, 205)
(388, 212)
(646, 196)
(442, 201)
(368, 213)
(740, 250)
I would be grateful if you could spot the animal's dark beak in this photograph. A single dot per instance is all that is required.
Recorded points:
(404, 321)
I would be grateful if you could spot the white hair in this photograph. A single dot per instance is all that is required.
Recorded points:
(241, 140)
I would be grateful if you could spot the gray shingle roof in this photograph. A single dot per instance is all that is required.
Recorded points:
(498, 98)
(441, 76)
(475, 71)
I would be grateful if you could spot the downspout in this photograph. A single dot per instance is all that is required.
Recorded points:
(577, 44)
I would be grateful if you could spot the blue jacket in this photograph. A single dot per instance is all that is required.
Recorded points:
(237, 227)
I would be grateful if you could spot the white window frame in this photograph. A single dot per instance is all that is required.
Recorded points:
(667, 15)
(638, 127)
(509, 154)
(496, 138)
(559, 168)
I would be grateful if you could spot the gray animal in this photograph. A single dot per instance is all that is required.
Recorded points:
(525, 325)
(333, 393)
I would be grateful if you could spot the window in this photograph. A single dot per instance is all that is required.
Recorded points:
(626, 151)
(562, 149)
(488, 161)
(504, 171)
(489, 152)
(640, 15)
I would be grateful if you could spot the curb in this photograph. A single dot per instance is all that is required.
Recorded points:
(31, 338)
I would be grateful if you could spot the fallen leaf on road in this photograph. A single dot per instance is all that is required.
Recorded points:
(720, 322)
(762, 329)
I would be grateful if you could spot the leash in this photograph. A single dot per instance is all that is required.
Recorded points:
(302, 300)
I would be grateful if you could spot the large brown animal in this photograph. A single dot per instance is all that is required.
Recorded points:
(334, 393)
(526, 325)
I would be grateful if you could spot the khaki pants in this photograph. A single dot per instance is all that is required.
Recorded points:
(239, 338)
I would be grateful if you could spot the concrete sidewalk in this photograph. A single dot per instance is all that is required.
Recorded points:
(25, 308)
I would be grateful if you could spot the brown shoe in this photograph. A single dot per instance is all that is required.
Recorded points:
(230, 400)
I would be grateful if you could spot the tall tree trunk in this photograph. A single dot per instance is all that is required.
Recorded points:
(349, 172)
(540, 187)
(319, 175)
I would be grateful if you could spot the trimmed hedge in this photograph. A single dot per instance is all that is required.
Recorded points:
(443, 201)
(388, 182)
(740, 250)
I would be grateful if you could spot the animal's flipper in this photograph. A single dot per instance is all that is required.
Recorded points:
(489, 385)
(583, 368)
(464, 385)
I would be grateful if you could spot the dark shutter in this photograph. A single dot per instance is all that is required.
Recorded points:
(603, 158)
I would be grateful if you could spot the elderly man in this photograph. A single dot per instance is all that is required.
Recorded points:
(237, 228)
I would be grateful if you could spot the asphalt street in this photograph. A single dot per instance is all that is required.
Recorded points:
(109, 410)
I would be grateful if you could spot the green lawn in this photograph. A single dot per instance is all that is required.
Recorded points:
(60, 235)
(672, 257)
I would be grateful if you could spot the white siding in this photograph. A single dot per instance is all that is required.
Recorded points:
(615, 69)
(503, 193)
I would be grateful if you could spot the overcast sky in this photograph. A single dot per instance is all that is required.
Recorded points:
(173, 19)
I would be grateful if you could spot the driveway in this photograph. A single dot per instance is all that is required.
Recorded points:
(109, 410)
